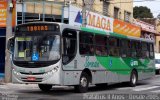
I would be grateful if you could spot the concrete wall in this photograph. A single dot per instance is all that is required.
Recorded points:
(157, 49)
(123, 5)
(50, 8)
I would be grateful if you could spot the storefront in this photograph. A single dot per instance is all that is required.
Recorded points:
(3, 19)
(148, 31)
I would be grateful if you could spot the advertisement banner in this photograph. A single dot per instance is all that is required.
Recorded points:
(94, 20)
(145, 26)
(3, 13)
(126, 29)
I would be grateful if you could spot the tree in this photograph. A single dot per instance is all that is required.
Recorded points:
(142, 12)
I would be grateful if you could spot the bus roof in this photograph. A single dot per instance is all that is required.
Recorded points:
(79, 28)
(105, 33)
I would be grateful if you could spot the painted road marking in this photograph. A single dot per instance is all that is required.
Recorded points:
(145, 88)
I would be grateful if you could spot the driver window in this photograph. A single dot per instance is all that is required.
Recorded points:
(69, 45)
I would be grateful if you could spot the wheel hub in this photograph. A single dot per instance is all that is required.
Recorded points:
(83, 82)
(134, 79)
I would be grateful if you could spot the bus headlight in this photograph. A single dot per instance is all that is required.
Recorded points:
(55, 69)
(15, 72)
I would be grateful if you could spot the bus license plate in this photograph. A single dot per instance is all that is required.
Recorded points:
(31, 78)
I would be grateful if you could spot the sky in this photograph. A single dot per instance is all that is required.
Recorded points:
(154, 5)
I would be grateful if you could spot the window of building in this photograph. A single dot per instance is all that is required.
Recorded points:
(116, 12)
(127, 16)
(105, 8)
(86, 45)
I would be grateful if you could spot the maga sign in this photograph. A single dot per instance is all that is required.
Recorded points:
(94, 20)
(99, 22)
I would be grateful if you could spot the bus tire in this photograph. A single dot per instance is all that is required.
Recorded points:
(45, 87)
(83, 83)
(133, 79)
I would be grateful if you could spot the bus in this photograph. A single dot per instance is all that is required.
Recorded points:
(50, 53)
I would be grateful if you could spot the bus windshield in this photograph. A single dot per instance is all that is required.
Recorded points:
(157, 61)
(37, 48)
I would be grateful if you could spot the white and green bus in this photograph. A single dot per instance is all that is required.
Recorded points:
(50, 54)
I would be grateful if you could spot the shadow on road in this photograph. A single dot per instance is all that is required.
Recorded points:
(62, 91)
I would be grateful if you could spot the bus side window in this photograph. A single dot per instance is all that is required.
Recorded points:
(133, 50)
(101, 45)
(124, 47)
(86, 46)
(139, 49)
(145, 50)
(114, 46)
(69, 45)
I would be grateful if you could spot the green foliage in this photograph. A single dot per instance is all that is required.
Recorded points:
(142, 12)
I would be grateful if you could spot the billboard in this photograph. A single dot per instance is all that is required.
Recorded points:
(126, 29)
(94, 20)
(3, 13)
(145, 26)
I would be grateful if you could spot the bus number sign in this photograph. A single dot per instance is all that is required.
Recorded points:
(37, 28)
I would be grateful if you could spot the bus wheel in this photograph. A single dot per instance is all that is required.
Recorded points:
(45, 87)
(83, 83)
(133, 78)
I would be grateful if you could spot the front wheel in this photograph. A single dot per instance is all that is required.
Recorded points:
(133, 79)
(83, 83)
(45, 87)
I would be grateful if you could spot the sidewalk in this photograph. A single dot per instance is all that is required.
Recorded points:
(2, 81)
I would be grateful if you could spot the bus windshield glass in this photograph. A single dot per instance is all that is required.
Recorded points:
(157, 61)
(37, 48)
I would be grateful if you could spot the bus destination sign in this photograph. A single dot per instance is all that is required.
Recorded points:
(37, 27)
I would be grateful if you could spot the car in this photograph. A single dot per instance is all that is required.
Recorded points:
(157, 62)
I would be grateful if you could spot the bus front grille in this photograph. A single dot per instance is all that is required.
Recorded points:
(31, 73)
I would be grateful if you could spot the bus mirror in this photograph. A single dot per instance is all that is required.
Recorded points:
(10, 44)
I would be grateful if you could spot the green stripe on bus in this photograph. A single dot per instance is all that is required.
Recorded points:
(118, 35)
(124, 66)
(103, 32)
(94, 31)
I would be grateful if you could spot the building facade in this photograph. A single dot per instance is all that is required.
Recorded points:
(118, 9)
(158, 37)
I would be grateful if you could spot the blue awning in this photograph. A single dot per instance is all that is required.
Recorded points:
(1, 75)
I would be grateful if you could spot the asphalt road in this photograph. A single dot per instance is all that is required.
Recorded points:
(145, 90)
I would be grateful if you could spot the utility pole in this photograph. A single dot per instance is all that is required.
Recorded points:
(44, 10)
(83, 14)
(8, 35)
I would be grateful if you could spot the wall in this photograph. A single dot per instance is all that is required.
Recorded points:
(123, 5)
(158, 37)
(50, 8)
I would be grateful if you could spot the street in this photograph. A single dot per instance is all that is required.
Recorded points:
(151, 87)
